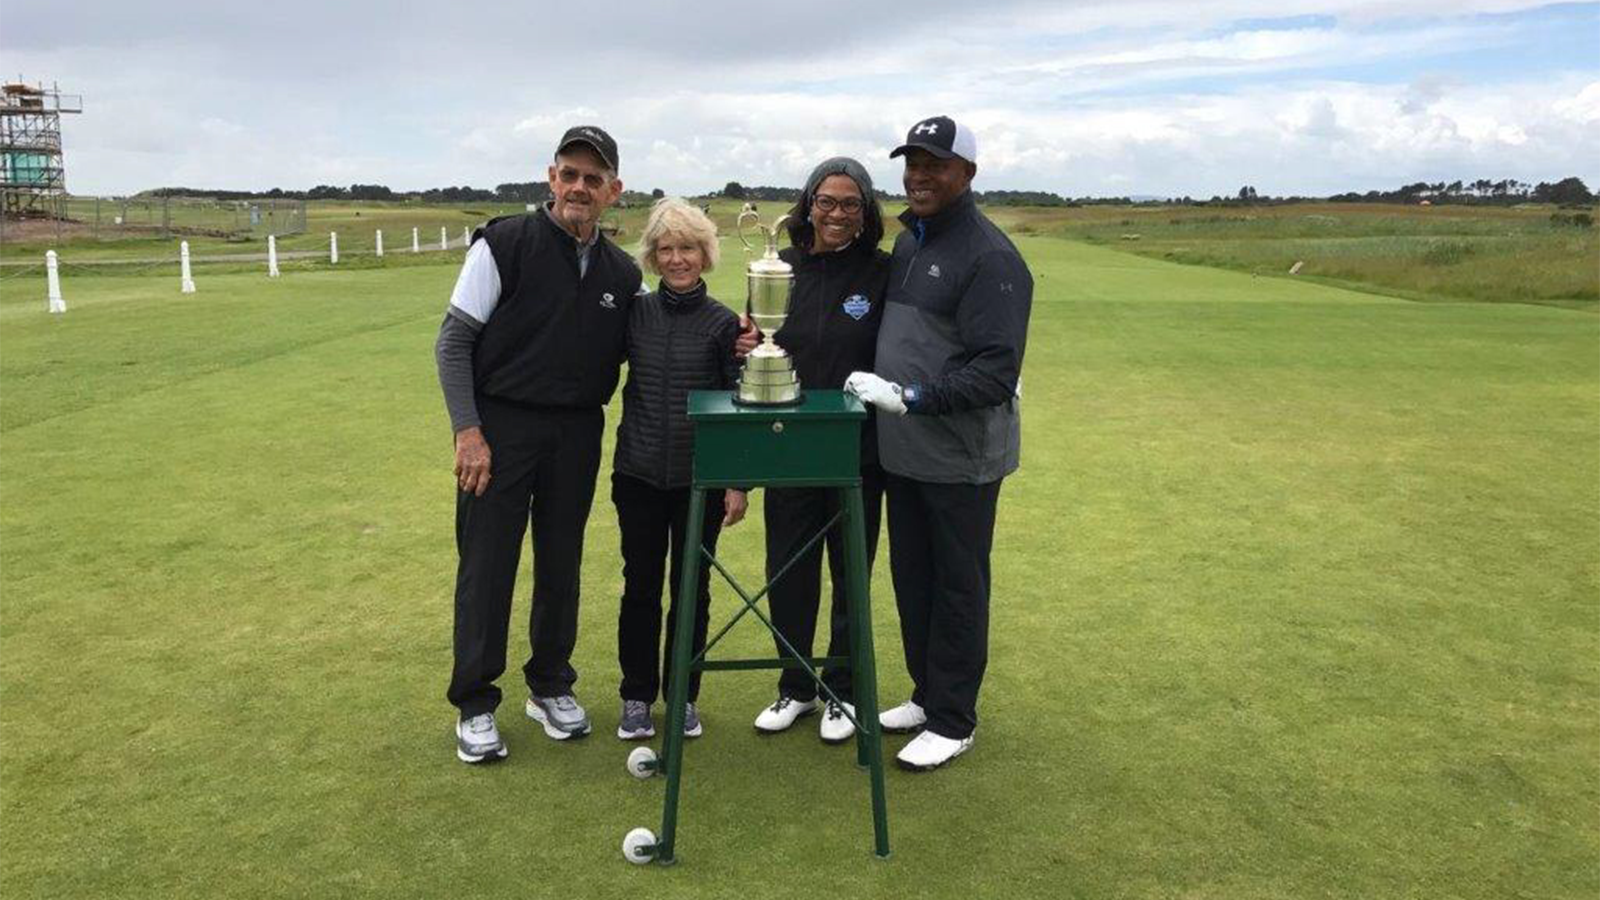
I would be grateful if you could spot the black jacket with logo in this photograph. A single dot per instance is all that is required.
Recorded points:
(553, 340)
(955, 327)
(834, 313)
(677, 343)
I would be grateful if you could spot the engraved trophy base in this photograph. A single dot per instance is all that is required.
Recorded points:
(767, 381)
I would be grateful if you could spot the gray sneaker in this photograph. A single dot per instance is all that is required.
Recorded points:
(691, 721)
(636, 724)
(561, 716)
(478, 740)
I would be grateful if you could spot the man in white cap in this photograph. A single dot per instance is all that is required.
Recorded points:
(949, 363)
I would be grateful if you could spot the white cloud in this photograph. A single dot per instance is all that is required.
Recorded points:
(1582, 107)
(1148, 96)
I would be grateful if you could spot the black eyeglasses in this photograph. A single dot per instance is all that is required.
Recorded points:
(827, 204)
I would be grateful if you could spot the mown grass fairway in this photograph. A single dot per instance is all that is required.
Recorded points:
(1296, 595)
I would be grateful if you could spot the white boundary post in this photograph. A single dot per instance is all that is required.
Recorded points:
(333, 247)
(53, 283)
(272, 256)
(444, 242)
(466, 237)
(187, 285)
(380, 241)
(414, 247)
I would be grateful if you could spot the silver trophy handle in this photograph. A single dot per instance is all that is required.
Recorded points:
(769, 232)
(738, 227)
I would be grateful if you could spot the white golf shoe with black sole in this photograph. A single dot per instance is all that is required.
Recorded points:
(836, 727)
(782, 714)
(903, 719)
(478, 740)
(928, 751)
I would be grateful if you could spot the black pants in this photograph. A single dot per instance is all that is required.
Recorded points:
(542, 466)
(793, 516)
(940, 536)
(653, 522)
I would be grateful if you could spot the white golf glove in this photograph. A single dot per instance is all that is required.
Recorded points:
(885, 395)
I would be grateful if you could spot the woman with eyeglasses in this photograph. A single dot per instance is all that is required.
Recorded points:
(840, 276)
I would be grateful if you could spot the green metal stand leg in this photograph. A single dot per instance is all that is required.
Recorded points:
(678, 679)
(863, 666)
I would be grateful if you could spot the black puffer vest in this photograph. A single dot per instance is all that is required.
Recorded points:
(676, 343)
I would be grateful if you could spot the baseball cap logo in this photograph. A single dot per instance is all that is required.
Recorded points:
(926, 128)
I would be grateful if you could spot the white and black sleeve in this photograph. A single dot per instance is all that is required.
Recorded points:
(476, 293)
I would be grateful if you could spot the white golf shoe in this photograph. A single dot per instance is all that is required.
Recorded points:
(836, 728)
(905, 718)
(478, 740)
(928, 751)
(780, 715)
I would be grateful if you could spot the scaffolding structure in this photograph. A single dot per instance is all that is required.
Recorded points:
(33, 177)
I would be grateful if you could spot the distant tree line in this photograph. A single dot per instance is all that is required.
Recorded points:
(1507, 191)
(513, 192)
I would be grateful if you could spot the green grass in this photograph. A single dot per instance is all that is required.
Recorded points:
(1421, 253)
(1487, 254)
(1296, 595)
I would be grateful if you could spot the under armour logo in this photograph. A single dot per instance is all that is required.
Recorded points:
(608, 301)
(1005, 287)
(926, 128)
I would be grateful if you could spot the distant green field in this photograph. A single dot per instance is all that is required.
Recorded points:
(1488, 254)
(1296, 595)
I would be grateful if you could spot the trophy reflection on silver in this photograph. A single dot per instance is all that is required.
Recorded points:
(768, 377)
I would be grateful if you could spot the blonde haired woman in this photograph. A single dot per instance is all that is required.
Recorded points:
(679, 339)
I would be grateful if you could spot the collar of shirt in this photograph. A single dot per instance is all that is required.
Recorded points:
(684, 299)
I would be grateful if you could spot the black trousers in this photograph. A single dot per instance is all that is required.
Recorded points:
(653, 522)
(940, 536)
(542, 466)
(793, 516)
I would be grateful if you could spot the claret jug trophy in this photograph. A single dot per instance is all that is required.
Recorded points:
(768, 377)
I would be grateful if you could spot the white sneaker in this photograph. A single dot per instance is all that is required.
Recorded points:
(835, 727)
(906, 717)
(929, 751)
(780, 715)
(561, 716)
(478, 740)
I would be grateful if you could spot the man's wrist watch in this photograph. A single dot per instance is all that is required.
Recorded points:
(910, 394)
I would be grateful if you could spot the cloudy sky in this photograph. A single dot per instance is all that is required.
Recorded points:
(1163, 97)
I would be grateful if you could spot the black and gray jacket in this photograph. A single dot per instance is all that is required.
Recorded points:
(676, 343)
(834, 314)
(954, 330)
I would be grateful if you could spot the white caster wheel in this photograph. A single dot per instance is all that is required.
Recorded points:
(642, 762)
(639, 847)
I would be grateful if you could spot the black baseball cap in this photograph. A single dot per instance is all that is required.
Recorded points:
(592, 136)
(942, 137)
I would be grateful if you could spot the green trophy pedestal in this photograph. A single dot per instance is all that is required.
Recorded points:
(814, 443)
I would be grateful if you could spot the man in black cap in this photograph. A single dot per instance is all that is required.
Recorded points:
(528, 354)
(949, 364)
